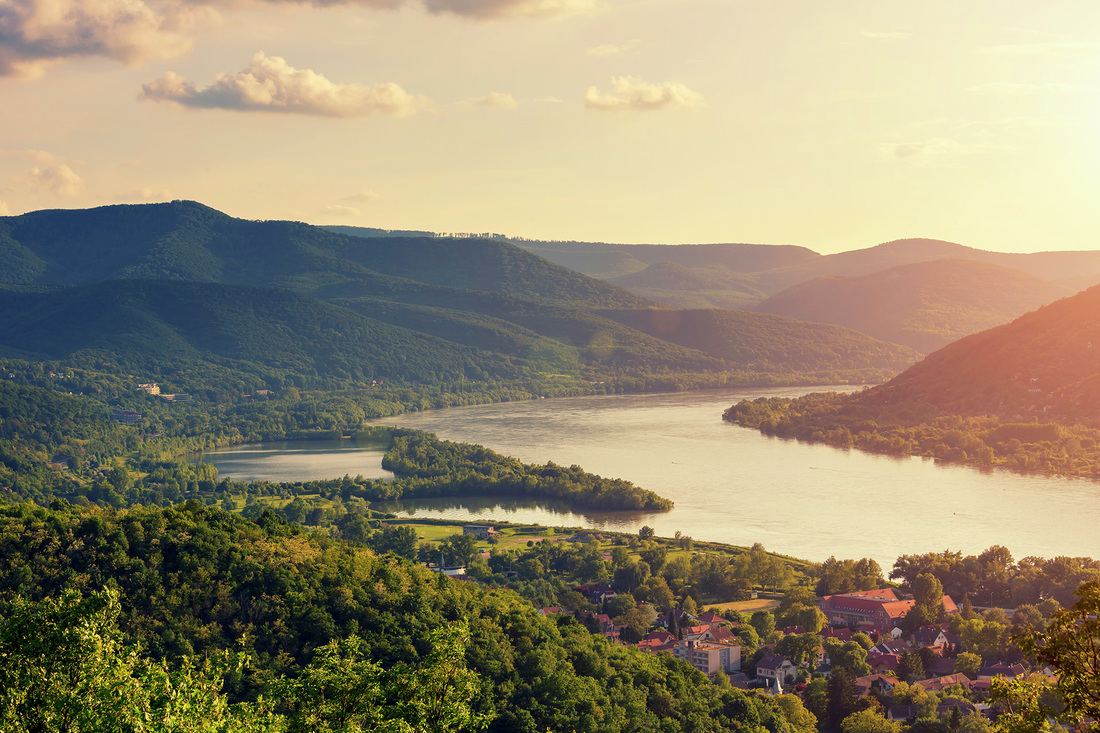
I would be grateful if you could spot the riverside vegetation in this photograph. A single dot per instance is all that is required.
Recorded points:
(1024, 396)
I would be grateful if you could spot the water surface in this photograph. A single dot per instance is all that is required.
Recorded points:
(732, 484)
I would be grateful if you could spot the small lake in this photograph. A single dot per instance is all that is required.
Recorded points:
(734, 485)
(298, 460)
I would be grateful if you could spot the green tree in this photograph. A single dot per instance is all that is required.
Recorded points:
(66, 670)
(400, 540)
(869, 721)
(764, 623)
(968, 664)
(1071, 643)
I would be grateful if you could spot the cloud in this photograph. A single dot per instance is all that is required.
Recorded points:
(496, 100)
(362, 197)
(613, 49)
(339, 210)
(547, 100)
(633, 95)
(35, 34)
(1005, 87)
(1049, 48)
(935, 152)
(885, 35)
(270, 84)
(4, 210)
(490, 9)
(49, 173)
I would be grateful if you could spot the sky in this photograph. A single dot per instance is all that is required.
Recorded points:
(830, 125)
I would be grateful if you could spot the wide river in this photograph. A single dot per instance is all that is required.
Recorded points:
(734, 485)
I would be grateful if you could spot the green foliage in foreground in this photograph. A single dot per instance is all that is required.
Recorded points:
(1069, 450)
(194, 582)
(66, 668)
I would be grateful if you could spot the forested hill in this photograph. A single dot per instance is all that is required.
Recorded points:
(436, 309)
(1025, 395)
(1044, 364)
(194, 581)
(925, 305)
(165, 329)
(765, 342)
(184, 240)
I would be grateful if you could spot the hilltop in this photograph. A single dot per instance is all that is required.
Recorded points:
(892, 291)
(336, 309)
(925, 305)
(1024, 395)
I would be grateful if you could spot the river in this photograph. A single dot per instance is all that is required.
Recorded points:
(731, 484)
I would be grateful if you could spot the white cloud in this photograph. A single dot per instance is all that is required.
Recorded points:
(489, 9)
(1005, 87)
(49, 173)
(339, 210)
(935, 152)
(37, 33)
(547, 100)
(1049, 48)
(270, 84)
(632, 95)
(613, 49)
(885, 35)
(4, 210)
(496, 100)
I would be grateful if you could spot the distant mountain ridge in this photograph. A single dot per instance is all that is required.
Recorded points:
(1044, 364)
(924, 305)
(83, 284)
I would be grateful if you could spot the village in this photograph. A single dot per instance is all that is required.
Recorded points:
(943, 670)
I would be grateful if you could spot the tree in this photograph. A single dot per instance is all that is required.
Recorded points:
(400, 540)
(841, 691)
(460, 549)
(764, 623)
(65, 669)
(869, 721)
(968, 664)
(646, 532)
(656, 591)
(910, 667)
(343, 690)
(1071, 643)
(801, 649)
(654, 555)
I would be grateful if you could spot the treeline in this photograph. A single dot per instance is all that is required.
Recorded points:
(834, 419)
(193, 581)
(993, 577)
(441, 468)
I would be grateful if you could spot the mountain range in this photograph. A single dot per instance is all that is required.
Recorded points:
(182, 289)
(892, 291)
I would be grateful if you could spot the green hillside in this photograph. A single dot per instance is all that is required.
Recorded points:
(1025, 395)
(165, 328)
(762, 342)
(193, 582)
(924, 306)
(692, 287)
(436, 309)
(184, 240)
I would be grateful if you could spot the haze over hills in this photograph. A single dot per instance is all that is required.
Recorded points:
(403, 307)
(1024, 395)
(925, 305)
(1044, 364)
